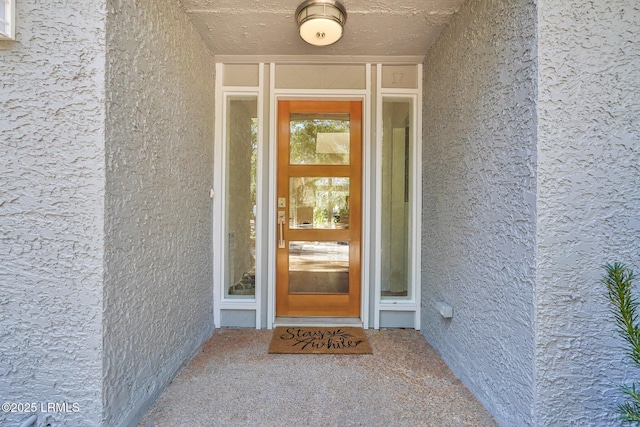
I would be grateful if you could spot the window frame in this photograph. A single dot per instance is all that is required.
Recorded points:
(412, 302)
(9, 20)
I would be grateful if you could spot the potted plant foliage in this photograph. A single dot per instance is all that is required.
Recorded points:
(619, 283)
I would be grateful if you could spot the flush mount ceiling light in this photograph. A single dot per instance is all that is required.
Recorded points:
(321, 22)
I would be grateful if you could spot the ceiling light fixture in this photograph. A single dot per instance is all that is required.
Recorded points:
(321, 22)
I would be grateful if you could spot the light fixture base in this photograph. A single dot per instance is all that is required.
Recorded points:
(321, 22)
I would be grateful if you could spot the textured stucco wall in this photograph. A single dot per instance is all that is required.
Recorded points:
(479, 202)
(51, 210)
(158, 293)
(588, 202)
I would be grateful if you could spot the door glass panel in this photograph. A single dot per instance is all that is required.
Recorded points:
(396, 146)
(242, 150)
(319, 267)
(318, 202)
(319, 139)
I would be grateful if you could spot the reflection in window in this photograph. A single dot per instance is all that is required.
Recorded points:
(319, 267)
(396, 146)
(242, 147)
(7, 20)
(319, 139)
(318, 202)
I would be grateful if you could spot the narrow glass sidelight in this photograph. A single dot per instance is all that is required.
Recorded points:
(241, 163)
(396, 173)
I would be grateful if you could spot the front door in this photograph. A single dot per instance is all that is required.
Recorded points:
(319, 208)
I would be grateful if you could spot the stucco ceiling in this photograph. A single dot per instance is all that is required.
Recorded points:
(268, 27)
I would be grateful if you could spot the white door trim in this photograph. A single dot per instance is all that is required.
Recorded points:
(276, 95)
(268, 96)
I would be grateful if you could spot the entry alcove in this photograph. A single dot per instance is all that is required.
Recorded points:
(246, 201)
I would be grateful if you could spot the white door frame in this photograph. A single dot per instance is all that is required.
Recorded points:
(363, 95)
(263, 303)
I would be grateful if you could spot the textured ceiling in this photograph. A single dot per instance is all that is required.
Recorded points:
(268, 27)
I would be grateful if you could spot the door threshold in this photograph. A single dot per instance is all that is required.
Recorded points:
(318, 321)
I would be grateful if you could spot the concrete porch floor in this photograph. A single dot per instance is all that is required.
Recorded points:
(233, 381)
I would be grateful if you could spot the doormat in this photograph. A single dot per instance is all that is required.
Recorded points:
(319, 340)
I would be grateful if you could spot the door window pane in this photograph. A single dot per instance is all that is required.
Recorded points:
(319, 139)
(242, 149)
(319, 267)
(318, 202)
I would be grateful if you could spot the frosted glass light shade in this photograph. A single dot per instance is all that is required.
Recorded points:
(321, 22)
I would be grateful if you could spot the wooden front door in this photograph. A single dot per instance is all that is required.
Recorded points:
(319, 208)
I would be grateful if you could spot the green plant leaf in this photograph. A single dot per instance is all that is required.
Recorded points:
(619, 283)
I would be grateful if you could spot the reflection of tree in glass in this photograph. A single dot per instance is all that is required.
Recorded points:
(303, 138)
(327, 196)
(254, 174)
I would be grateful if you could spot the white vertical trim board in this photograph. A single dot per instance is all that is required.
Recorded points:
(260, 223)
(273, 161)
(218, 193)
(378, 201)
(417, 208)
(366, 201)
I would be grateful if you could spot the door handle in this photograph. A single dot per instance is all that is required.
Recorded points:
(281, 220)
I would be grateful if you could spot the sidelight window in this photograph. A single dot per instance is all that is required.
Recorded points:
(397, 142)
(398, 199)
(241, 206)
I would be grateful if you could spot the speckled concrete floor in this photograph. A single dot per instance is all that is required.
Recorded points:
(233, 381)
